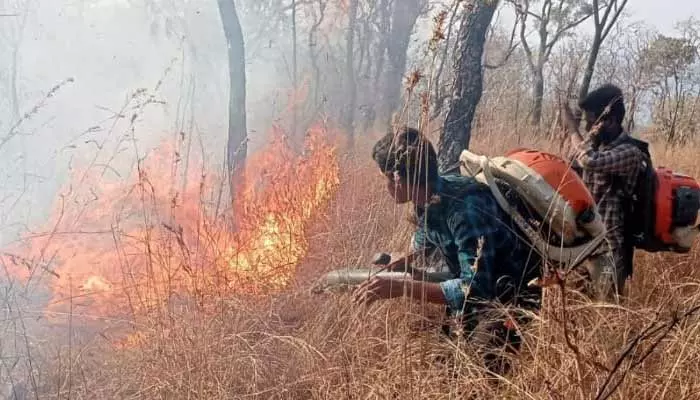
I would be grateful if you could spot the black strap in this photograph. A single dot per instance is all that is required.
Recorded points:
(618, 183)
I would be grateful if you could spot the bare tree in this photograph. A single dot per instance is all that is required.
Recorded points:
(350, 84)
(553, 21)
(603, 23)
(370, 39)
(439, 95)
(318, 15)
(384, 29)
(236, 148)
(468, 82)
(671, 62)
(403, 19)
(295, 74)
(621, 61)
(13, 35)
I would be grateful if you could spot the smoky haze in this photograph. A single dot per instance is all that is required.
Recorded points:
(102, 83)
(111, 49)
(100, 63)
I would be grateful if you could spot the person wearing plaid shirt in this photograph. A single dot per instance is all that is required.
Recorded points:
(610, 165)
(458, 217)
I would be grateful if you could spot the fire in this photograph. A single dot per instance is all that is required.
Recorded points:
(96, 283)
(117, 246)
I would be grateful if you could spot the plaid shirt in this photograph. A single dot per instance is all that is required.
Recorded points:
(478, 240)
(602, 166)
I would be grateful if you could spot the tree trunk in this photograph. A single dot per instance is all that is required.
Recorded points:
(295, 84)
(14, 96)
(383, 43)
(438, 98)
(468, 83)
(538, 96)
(18, 39)
(403, 19)
(538, 74)
(348, 116)
(237, 146)
(590, 66)
(603, 24)
(313, 55)
(383, 26)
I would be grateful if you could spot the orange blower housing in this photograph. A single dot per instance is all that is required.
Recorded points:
(677, 202)
(559, 175)
(665, 214)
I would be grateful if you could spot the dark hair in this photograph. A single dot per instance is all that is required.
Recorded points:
(408, 153)
(607, 100)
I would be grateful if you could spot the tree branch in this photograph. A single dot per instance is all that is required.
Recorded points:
(521, 14)
(618, 11)
(549, 46)
(649, 332)
(511, 48)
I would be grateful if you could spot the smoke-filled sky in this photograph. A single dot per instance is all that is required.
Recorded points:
(661, 15)
(664, 14)
(112, 48)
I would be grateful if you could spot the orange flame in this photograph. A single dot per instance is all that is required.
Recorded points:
(118, 247)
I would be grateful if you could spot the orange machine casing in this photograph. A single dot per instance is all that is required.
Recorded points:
(559, 175)
(667, 183)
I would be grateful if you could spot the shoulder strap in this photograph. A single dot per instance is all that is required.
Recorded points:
(640, 144)
(617, 181)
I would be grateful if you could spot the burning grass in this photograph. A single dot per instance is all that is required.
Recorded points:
(116, 248)
(291, 344)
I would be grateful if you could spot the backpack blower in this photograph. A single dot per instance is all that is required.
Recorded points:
(664, 208)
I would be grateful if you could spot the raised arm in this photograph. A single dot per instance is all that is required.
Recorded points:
(619, 159)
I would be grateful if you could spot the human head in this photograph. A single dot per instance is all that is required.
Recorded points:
(409, 162)
(604, 110)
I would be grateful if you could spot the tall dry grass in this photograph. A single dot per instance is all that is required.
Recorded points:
(297, 345)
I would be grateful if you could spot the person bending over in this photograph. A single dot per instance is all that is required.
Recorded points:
(490, 262)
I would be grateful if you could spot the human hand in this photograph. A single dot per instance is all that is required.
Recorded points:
(596, 129)
(570, 119)
(377, 288)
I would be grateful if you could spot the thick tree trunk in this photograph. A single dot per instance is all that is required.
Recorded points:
(236, 148)
(468, 83)
(348, 116)
(403, 20)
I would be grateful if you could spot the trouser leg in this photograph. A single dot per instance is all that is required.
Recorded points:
(601, 273)
(624, 265)
(608, 273)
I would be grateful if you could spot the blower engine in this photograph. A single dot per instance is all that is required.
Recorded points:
(667, 211)
(567, 228)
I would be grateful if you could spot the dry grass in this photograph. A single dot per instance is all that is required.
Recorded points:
(296, 345)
